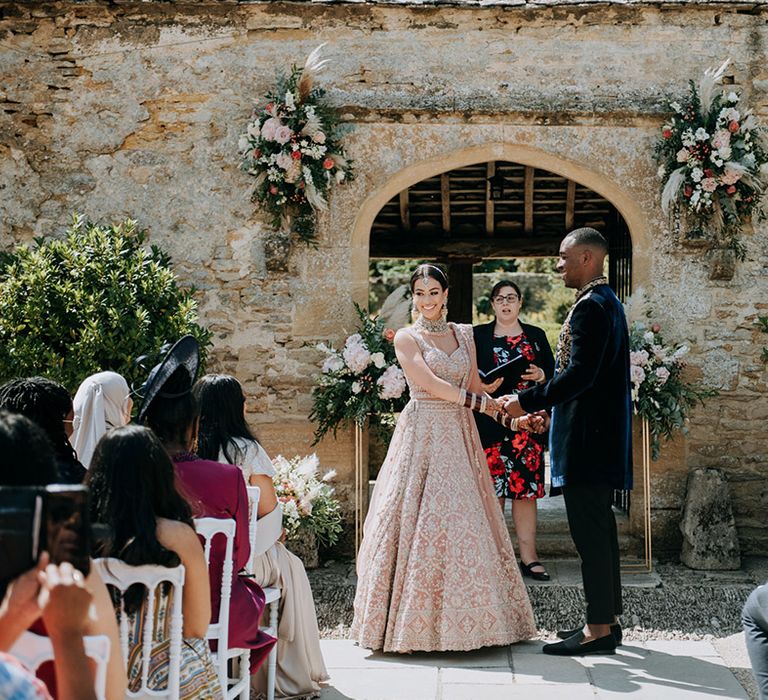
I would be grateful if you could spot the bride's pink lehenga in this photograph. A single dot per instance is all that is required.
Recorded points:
(436, 569)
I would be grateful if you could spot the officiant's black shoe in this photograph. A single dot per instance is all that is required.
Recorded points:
(615, 631)
(573, 646)
(535, 575)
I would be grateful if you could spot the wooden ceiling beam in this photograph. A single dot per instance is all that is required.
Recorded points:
(528, 199)
(432, 247)
(490, 213)
(405, 213)
(445, 200)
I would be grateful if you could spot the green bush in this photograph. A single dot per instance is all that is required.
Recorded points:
(92, 301)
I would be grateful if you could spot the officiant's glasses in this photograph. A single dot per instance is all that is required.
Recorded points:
(508, 299)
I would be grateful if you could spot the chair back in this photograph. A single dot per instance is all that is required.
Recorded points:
(122, 576)
(254, 493)
(218, 631)
(35, 649)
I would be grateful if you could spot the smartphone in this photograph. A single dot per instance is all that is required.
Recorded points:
(21, 520)
(67, 525)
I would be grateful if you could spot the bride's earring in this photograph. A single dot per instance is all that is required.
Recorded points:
(444, 312)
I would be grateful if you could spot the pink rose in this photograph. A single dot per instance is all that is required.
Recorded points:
(269, 128)
(655, 327)
(318, 137)
(389, 334)
(730, 176)
(709, 184)
(683, 155)
(283, 134)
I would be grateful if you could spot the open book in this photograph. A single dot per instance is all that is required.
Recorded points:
(493, 374)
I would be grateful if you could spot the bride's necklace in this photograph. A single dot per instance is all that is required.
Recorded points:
(439, 326)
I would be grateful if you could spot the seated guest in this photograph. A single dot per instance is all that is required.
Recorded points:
(224, 435)
(102, 402)
(131, 479)
(213, 490)
(49, 405)
(754, 617)
(26, 459)
(58, 595)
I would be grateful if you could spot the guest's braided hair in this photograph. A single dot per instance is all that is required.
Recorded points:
(44, 402)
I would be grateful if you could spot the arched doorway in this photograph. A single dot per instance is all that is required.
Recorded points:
(445, 209)
(496, 209)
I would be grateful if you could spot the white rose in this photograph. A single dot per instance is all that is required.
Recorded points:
(357, 387)
(378, 360)
(701, 134)
(332, 364)
(697, 174)
(676, 106)
(648, 337)
(683, 155)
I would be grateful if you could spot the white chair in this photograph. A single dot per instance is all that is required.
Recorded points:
(122, 576)
(34, 649)
(240, 685)
(261, 540)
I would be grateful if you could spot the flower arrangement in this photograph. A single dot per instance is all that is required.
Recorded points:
(660, 393)
(293, 148)
(713, 161)
(360, 380)
(307, 500)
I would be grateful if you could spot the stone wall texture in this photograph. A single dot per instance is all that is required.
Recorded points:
(117, 109)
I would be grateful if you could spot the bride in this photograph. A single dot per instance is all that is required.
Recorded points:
(436, 569)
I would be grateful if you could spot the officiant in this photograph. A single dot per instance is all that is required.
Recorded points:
(512, 356)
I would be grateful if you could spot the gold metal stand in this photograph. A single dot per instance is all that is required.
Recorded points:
(359, 483)
(645, 566)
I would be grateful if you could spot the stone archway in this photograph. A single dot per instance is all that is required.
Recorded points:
(516, 153)
(624, 204)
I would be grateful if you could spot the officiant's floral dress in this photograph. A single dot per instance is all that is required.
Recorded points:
(436, 569)
(515, 460)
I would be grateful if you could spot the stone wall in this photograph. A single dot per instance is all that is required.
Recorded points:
(134, 109)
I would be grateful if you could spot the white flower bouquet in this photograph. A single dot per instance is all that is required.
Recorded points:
(361, 380)
(308, 501)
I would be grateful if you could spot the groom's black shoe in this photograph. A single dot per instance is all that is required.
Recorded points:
(615, 631)
(573, 646)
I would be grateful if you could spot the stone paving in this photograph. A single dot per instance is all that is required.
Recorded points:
(650, 669)
(682, 640)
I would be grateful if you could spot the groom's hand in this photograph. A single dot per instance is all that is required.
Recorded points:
(512, 407)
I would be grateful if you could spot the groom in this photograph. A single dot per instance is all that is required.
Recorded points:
(590, 434)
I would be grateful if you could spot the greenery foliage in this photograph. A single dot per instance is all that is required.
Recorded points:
(92, 301)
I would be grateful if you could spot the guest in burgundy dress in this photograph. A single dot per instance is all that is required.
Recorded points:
(521, 357)
(213, 490)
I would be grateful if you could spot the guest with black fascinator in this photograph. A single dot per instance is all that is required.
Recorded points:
(212, 489)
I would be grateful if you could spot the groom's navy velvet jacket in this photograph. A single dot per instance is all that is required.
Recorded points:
(590, 437)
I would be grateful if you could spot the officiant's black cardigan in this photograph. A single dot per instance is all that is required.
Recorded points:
(590, 436)
(538, 340)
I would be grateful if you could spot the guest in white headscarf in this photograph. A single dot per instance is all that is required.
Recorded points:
(102, 402)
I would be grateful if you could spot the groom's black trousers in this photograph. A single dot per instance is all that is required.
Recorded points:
(593, 529)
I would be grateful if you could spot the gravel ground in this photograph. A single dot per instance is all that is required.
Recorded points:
(686, 605)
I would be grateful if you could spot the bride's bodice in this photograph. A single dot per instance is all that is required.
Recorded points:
(453, 367)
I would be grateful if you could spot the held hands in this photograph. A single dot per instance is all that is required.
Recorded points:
(534, 422)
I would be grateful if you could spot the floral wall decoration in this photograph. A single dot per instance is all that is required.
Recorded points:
(713, 162)
(292, 146)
